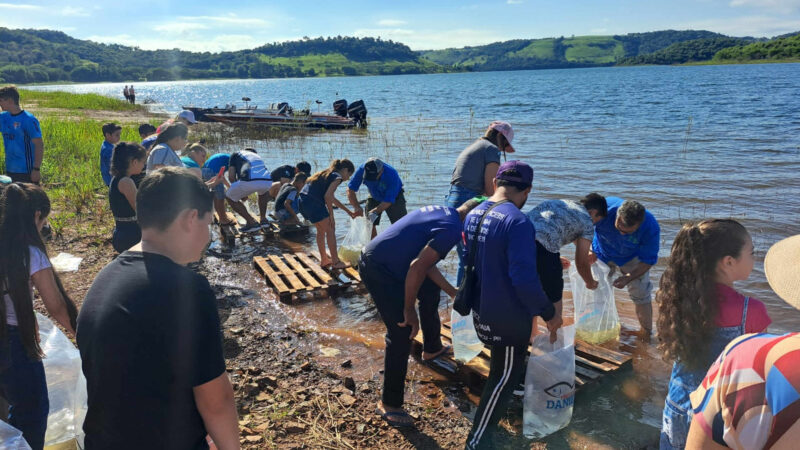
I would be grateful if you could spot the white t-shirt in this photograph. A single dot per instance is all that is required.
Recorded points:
(39, 262)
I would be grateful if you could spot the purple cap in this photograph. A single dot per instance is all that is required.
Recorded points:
(516, 171)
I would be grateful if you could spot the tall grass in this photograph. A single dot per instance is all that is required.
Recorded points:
(65, 100)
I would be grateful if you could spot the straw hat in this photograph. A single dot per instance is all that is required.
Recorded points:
(782, 266)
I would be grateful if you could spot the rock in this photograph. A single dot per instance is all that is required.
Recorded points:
(414, 415)
(346, 364)
(251, 388)
(349, 383)
(347, 400)
(360, 428)
(306, 366)
(364, 388)
(294, 427)
(262, 397)
(254, 370)
(254, 439)
(268, 380)
(261, 428)
(237, 330)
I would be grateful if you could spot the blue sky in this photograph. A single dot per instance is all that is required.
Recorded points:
(214, 25)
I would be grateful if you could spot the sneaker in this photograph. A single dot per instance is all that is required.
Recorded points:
(249, 228)
(265, 224)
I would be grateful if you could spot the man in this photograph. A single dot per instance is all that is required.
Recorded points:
(510, 294)
(398, 267)
(385, 192)
(628, 239)
(111, 136)
(148, 134)
(149, 332)
(248, 174)
(22, 138)
(132, 95)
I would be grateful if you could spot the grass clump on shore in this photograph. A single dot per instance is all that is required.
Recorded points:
(65, 100)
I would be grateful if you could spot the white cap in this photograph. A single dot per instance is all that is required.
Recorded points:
(187, 115)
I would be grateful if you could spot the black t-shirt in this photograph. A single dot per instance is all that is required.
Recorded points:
(148, 332)
(282, 172)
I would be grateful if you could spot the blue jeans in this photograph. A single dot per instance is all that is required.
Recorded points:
(456, 197)
(24, 387)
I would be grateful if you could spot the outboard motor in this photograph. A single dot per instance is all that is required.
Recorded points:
(340, 108)
(358, 112)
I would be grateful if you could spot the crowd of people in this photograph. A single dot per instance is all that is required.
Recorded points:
(149, 332)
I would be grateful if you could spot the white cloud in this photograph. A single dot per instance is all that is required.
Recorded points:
(428, 40)
(22, 7)
(230, 19)
(179, 27)
(514, 2)
(70, 11)
(219, 43)
(781, 6)
(758, 26)
(391, 23)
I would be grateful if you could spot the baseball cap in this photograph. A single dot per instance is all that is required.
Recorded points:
(187, 115)
(782, 267)
(372, 168)
(505, 129)
(110, 128)
(515, 171)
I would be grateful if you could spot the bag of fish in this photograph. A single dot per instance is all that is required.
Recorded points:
(596, 317)
(549, 384)
(357, 238)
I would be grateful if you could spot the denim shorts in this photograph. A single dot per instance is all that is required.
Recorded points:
(312, 209)
(219, 190)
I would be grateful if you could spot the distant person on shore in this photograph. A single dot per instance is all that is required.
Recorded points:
(22, 138)
(287, 203)
(316, 204)
(211, 168)
(149, 332)
(385, 192)
(247, 175)
(398, 268)
(475, 170)
(164, 153)
(185, 117)
(628, 238)
(111, 135)
(700, 311)
(126, 93)
(148, 134)
(127, 161)
(132, 95)
(749, 397)
(25, 265)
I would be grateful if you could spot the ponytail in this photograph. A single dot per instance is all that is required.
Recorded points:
(336, 165)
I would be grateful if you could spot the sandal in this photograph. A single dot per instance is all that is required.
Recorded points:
(446, 350)
(340, 265)
(394, 418)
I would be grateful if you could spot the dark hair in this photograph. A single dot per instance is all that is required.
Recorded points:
(250, 149)
(336, 165)
(18, 206)
(194, 147)
(110, 128)
(11, 92)
(596, 202)
(687, 296)
(146, 129)
(513, 184)
(631, 213)
(491, 136)
(172, 131)
(165, 193)
(303, 166)
(300, 176)
(123, 154)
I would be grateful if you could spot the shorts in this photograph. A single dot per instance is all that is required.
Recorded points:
(241, 189)
(313, 209)
(640, 290)
(219, 190)
(395, 212)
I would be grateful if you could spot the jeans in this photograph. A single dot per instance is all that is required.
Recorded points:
(23, 384)
(456, 197)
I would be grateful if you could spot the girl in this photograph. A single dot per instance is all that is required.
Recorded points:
(126, 161)
(163, 153)
(23, 212)
(700, 311)
(316, 204)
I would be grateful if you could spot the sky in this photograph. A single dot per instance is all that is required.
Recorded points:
(214, 25)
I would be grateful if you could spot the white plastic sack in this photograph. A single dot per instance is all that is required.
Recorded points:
(66, 385)
(357, 238)
(64, 262)
(596, 317)
(549, 384)
(466, 344)
(11, 438)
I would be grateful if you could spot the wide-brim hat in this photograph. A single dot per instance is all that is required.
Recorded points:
(782, 267)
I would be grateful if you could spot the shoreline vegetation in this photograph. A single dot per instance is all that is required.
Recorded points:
(48, 57)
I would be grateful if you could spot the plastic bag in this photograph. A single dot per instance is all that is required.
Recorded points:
(357, 238)
(66, 385)
(11, 438)
(596, 317)
(466, 344)
(64, 262)
(549, 384)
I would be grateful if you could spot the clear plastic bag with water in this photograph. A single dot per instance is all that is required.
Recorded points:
(596, 317)
(357, 238)
(466, 344)
(11, 438)
(549, 384)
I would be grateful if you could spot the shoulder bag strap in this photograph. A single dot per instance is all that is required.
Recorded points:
(474, 241)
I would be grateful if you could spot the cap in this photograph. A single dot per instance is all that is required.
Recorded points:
(505, 129)
(372, 169)
(782, 267)
(187, 115)
(110, 128)
(516, 171)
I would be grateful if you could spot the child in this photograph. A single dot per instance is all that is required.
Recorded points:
(287, 203)
(316, 204)
(127, 161)
(194, 156)
(111, 133)
(700, 312)
(22, 138)
(23, 212)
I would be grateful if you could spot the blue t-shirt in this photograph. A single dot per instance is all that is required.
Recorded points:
(511, 293)
(216, 162)
(149, 141)
(18, 134)
(317, 188)
(436, 226)
(384, 189)
(189, 162)
(106, 151)
(611, 245)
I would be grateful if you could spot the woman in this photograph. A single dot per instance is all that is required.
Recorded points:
(163, 154)
(23, 212)
(126, 161)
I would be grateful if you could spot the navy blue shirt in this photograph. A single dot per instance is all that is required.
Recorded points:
(384, 189)
(317, 188)
(611, 245)
(394, 249)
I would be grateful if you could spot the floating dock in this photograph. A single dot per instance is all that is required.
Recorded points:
(297, 275)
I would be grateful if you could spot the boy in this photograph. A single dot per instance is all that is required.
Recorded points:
(22, 137)
(287, 203)
(149, 332)
(248, 174)
(111, 134)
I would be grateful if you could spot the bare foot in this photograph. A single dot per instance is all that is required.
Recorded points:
(325, 262)
(339, 265)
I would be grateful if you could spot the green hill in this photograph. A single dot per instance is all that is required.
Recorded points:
(780, 49)
(683, 52)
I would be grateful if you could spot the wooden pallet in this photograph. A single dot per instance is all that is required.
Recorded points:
(592, 362)
(230, 232)
(293, 274)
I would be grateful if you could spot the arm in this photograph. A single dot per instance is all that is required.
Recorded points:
(583, 263)
(637, 271)
(382, 206)
(45, 283)
(353, 199)
(105, 165)
(128, 188)
(436, 276)
(489, 172)
(331, 200)
(216, 405)
(417, 272)
(698, 439)
(288, 205)
(38, 155)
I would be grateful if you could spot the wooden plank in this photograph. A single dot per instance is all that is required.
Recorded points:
(301, 271)
(286, 272)
(263, 266)
(587, 373)
(604, 366)
(602, 353)
(314, 267)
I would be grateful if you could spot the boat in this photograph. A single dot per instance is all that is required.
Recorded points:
(282, 115)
